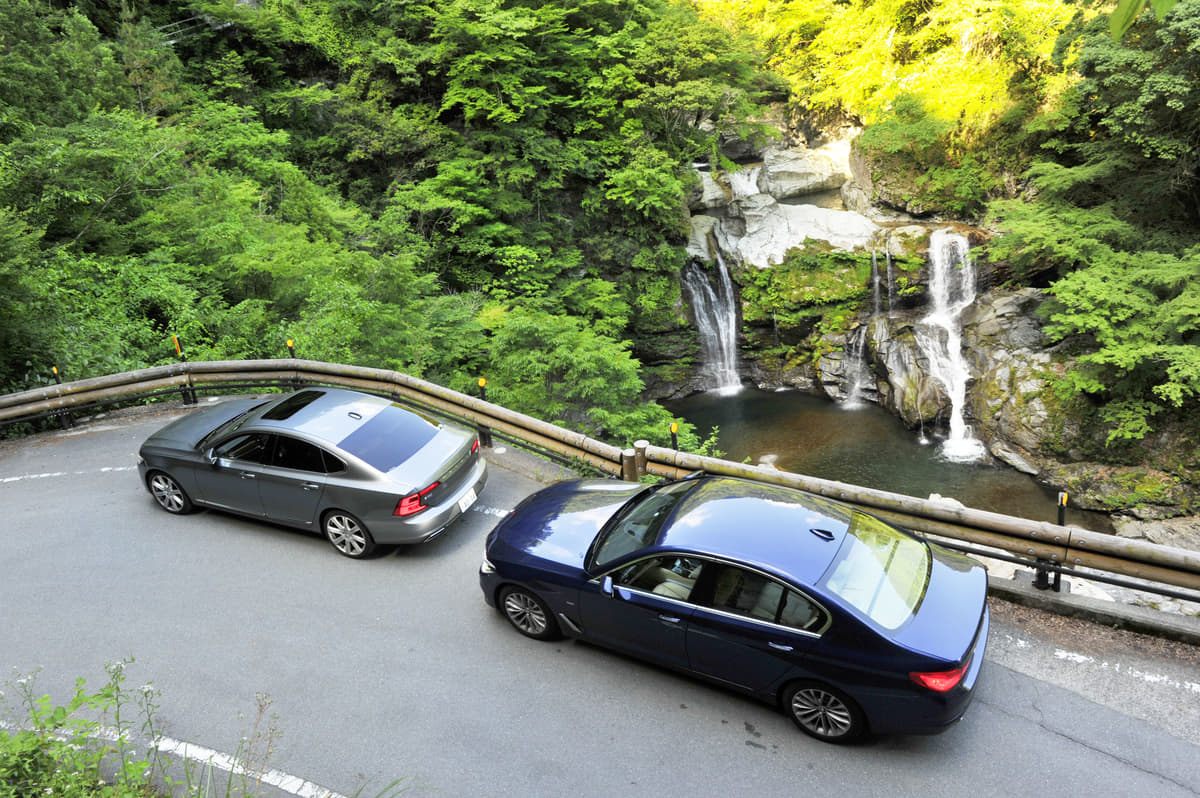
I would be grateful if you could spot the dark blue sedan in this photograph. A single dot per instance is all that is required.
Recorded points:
(851, 625)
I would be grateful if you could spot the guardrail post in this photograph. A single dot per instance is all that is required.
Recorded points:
(293, 383)
(1042, 580)
(674, 436)
(639, 449)
(629, 471)
(188, 392)
(485, 432)
(65, 418)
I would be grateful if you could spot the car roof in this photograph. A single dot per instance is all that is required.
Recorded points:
(353, 421)
(779, 529)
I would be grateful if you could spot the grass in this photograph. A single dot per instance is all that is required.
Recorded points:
(107, 744)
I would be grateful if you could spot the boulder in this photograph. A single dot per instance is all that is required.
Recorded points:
(708, 193)
(763, 230)
(876, 185)
(796, 172)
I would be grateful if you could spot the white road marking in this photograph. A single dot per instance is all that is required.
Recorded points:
(1136, 673)
(483, 508)
(294, 785)
(303, 788)
(52, 474)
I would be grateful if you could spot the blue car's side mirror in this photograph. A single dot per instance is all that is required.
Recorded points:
(606, 585)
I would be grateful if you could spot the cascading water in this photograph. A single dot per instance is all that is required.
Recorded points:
(744, 182)
(858, 373)
(951, 291)
(891, 279)
(876, 303)
(716, 321)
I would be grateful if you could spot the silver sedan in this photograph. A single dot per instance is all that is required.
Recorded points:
(361, 469)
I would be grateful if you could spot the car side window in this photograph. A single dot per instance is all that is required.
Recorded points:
(250, 448)
(754, 595)
(670, 576)
(299, 455)
(800, 613)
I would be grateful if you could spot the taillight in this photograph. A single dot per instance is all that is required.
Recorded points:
(414, 503)
(940, 681)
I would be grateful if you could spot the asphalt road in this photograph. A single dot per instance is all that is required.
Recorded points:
(395, 669)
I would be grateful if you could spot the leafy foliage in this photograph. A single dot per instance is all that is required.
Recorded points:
(1117, 216)
(367, 180)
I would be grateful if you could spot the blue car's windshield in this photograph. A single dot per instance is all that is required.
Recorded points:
(880, 571)
(637, 524)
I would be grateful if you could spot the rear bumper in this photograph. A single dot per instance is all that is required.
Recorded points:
(431, 522)
(910, 709)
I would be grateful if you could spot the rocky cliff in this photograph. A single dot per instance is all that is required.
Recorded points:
(830, 200)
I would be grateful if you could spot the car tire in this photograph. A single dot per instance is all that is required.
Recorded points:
(168, 493)
(824, 712)
(348, 535)
(528, 614)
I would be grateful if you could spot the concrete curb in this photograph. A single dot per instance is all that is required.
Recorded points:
(1019, 589)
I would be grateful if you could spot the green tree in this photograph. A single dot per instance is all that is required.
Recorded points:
(1117, 216)
(553, 367)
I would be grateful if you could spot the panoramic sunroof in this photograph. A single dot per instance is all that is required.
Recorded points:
(292, 405)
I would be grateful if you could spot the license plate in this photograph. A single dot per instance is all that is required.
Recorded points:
(467, 501)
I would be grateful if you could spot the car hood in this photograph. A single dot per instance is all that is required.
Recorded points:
(187, 431)
(946, 623)
(560, 522)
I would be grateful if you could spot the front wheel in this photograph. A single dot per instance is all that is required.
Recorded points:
(528, 613)
(824, 712)
(169, 494)
(348, 535)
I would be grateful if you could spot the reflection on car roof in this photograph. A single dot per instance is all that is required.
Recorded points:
(374, 429)
(748, 521)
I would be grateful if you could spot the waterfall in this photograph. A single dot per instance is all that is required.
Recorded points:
(875, 302)
(891, 279)
(744, 182)
(858, 374)
(951, 291)
(716, 321)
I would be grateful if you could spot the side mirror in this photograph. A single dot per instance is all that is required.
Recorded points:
(211, 456)
(606, 587)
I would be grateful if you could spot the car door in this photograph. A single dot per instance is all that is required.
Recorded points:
(231, 482)
(646, 611)
(291, 487)
(749, 629)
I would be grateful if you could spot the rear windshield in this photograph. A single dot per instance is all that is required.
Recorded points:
(389, 438)
(880, 571)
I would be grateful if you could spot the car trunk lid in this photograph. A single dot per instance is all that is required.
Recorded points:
(951, 612)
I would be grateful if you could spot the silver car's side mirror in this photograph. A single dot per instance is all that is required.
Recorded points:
(211, 457)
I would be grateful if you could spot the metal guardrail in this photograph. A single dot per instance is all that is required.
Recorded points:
(1035, 543)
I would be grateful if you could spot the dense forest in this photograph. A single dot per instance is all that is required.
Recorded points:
(465, 188)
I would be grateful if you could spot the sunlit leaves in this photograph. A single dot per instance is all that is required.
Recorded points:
(1127, 12)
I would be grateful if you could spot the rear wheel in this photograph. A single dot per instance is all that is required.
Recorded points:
(824, 712)
(348, 535)
(169, 494)
(528, 613)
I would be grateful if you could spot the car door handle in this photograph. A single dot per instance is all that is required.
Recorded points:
(669, 618)
(310, 486)
(247, 475)
(780, 647)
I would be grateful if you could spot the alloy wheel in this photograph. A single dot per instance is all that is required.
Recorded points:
(168, 493)
(348, 536)
(526, 613)
(822, 713)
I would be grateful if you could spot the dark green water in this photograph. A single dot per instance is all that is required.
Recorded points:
(863, 446)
